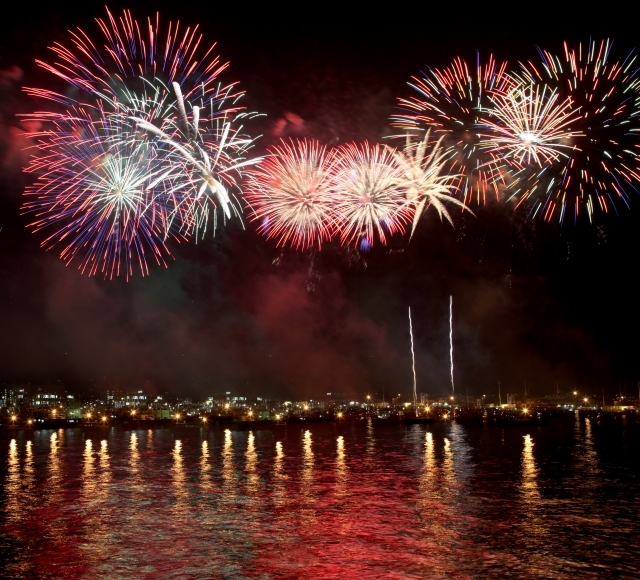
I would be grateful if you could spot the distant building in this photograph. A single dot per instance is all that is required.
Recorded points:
(46, 399)
(13, 397)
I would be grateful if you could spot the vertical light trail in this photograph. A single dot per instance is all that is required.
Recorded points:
(451, 341)
(413, 359)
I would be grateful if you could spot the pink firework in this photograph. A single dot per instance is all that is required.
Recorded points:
(292, 194)
(371, 197)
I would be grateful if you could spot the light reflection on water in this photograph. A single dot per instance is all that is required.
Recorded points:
(12, 485)
(328, 501)
(530, 493)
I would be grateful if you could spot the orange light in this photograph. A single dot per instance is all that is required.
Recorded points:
(104, 419)
(204, 419)
(339, 415)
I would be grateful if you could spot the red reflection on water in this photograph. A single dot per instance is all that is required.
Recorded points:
(328, 501)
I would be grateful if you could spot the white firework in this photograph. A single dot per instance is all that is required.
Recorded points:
(371, 200)
(292, 193)
(528, 125)
(423, 180)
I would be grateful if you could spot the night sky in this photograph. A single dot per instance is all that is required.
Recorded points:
(532, 301)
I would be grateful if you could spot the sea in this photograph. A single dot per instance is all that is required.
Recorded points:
(322, 500)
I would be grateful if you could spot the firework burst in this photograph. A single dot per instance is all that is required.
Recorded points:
(601, 166)
(99, 194)
(527, 125)
(371, 199)
(292, 193)
(134, 64)
(160, 86)
(212, 155)
(450, 103)
(424, 181)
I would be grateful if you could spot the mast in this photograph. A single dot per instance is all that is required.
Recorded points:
(413, 359)
(451, 342)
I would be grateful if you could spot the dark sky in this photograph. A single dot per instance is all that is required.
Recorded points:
(532, 301)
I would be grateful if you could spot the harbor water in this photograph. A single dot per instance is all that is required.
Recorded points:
(337, 500)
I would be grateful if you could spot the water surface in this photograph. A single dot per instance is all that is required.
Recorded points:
(322, 501)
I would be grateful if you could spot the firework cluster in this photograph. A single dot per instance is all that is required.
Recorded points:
(141, 146)
(559, 138)
(304, 194)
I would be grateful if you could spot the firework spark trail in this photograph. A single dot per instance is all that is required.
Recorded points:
(293, 194)
(134, 65)
(450, 103)
(209, 160)
(602, 166)
(413, 361)
(451, 342)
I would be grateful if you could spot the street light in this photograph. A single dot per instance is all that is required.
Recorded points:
(104, 418)
(13, 419)
(89, 415)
